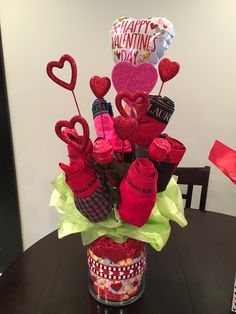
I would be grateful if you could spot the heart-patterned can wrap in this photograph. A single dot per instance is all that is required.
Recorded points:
(116, 270)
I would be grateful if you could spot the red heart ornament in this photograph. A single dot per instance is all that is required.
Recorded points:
(60, 64)
(116, 286)
(141, 107)
(168, 69)
(100, 86)
(125, 127)
(70, 125)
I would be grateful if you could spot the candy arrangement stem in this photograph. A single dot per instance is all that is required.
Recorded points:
(100, 104)
(161, 88)
(76, 103)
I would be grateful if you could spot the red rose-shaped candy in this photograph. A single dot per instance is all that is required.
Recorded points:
(102, 152)
(159, 149)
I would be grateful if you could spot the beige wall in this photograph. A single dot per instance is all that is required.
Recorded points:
(35, 32)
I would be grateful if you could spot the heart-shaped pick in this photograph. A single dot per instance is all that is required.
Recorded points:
(125, 127)
(168, 69)
(100, 86)
(60, 64)
(70, 125)
(141, 107)
(134, 78)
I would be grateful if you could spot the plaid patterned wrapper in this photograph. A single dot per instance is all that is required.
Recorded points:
(96, 206)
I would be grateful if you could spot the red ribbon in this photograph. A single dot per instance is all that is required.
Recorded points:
(116, 272)
(224, 158)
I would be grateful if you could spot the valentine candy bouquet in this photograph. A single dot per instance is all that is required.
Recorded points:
(119, 191)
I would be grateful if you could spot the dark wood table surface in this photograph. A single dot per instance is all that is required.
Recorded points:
(194, 273)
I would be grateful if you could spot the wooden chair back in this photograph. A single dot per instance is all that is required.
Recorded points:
(194, 176)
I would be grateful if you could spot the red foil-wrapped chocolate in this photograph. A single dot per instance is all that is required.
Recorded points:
(102, 152)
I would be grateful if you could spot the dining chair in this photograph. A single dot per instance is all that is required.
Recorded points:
(192, 176)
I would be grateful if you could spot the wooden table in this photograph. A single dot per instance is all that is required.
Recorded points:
(193, 274)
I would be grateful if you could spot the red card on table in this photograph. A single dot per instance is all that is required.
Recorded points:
(224, 158)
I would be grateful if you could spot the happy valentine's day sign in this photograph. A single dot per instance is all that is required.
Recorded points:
(141, 40)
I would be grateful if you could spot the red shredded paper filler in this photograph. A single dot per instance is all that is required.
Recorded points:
(224, 158)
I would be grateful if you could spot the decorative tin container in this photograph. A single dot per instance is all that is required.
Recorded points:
(116, 271)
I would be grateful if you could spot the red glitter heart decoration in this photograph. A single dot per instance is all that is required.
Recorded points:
(60, 64)
(70, 125)
(100, 86)
(168, 69)
(141, 107)
(116, 286)
(125, 127)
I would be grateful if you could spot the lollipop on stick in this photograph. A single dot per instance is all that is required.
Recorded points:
(60, 64)
(100, 86)
(167, 70)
